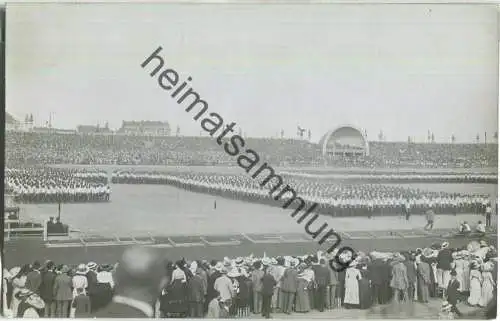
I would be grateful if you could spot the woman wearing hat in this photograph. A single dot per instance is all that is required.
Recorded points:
(18, 283)
(488, 285)
(352, 277)
(29, 304)
(475, 284)
(79, 280)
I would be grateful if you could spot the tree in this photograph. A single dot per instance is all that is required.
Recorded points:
(106, 125)
(477, 138)
(432, 137)
(309, 134)
(453, 139)
(282, 134)
(409, 140)
(495, 136)
(178, 131)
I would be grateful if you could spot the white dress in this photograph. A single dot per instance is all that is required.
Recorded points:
(462, 269)
(475, 287)
(351, 286)
(17, 285)
(487, 289)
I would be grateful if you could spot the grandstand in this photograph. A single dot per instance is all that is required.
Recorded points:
(25, 148)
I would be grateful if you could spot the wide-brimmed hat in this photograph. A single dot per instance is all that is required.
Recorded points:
(266, 261)
(92, 265)
(82, 269)
(219, 266)
(31, 298)
(14, 271)
(274, 261)
(239, 261)
(444, 245)
(234, 273)
(483, 243)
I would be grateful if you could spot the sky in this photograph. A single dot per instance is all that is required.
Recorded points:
(402, 69)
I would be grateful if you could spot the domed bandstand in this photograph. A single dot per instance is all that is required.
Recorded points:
(346, 141)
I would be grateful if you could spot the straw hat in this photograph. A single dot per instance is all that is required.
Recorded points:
(483, 243)
(31, 298)
(234, 273)
(445, 245)
(239, 261)
(219, 266)
(14, 271)
(82, 269)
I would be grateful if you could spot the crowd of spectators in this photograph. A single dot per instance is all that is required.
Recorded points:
(54, 148)
(260, 285)
(333, 197)
(52, 185)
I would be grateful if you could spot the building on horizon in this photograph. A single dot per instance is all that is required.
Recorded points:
(145, 128)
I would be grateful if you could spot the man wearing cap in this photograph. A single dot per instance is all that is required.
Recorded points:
(46, 289)
(139, 278)
(268, 284)
(91, 283)
(34, 278)
(63, 292)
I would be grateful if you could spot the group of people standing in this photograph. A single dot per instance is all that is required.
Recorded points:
(50, 185)
(284, 284)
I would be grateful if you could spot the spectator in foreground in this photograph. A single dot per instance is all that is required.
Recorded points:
(268, 284)
(140, 277)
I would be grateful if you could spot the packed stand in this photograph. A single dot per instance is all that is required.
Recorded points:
(51, 185)
(240, 286)
(54, 148)
(333, 198)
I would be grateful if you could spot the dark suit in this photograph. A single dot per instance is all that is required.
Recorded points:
(47, 293)
(378, 274)
(196, 296)
(33, 281)
(119, 310)
(453, 295)
(322, 276)
(289, 284)
(92, 284)
(268, 283)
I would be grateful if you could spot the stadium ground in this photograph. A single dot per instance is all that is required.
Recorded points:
(155, 209)
(143, 210)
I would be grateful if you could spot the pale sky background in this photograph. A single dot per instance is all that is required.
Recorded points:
(403, 69)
